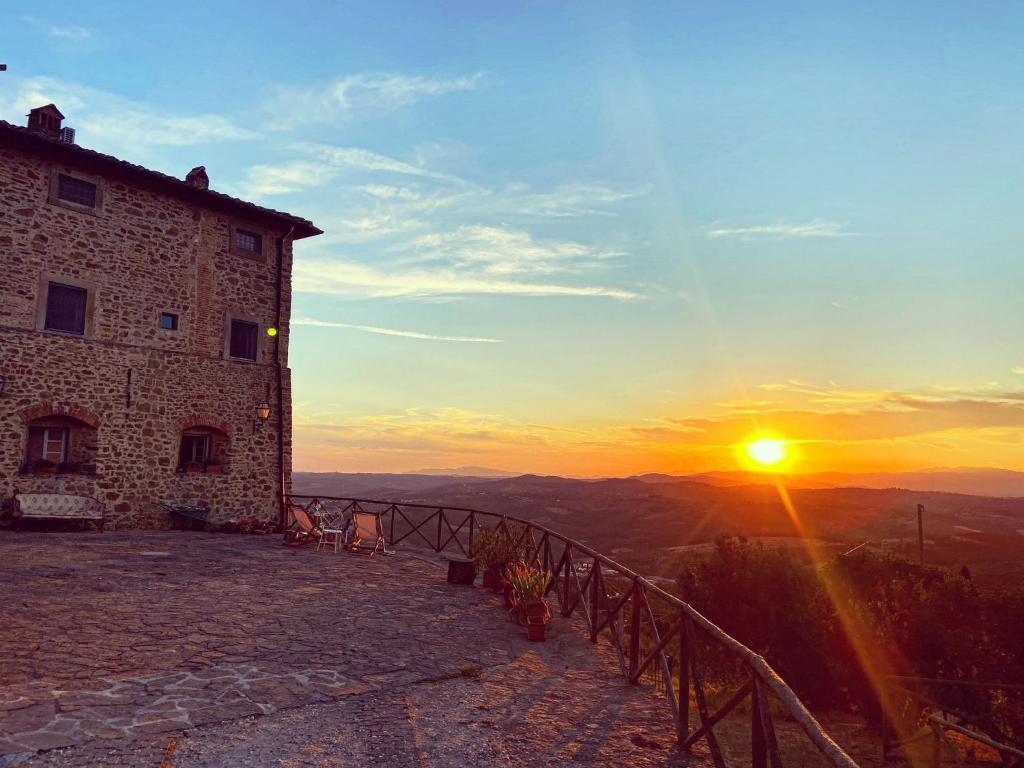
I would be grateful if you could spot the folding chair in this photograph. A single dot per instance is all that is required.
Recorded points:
(301, 529)
(367, 533)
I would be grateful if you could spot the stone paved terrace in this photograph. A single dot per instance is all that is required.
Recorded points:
(189, 649)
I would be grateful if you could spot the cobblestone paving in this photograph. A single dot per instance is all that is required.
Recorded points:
(188, 649)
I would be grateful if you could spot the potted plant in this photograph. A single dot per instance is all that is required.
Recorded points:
(44, 467)
(214, 467)
(493, 550)
(509, 589)
(193, 468)
(530, 585)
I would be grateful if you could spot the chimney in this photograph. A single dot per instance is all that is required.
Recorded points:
(197, 178)
(46, 121)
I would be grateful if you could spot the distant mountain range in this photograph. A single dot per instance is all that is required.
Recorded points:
(977, 481)
(470, 471)
(651, 521)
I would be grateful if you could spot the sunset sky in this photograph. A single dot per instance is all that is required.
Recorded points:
(599, 238)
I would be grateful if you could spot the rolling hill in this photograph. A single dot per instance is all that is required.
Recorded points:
(649, 523)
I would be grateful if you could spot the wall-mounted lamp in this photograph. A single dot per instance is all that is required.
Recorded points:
(262, 414)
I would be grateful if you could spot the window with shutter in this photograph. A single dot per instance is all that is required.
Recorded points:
(203, 449)
(47, 444)
(195, 448)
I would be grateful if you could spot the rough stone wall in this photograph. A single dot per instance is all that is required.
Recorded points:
(142, 254)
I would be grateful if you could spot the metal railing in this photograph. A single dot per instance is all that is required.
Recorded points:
(657, 637)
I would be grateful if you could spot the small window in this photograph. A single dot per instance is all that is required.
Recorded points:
(244, 339)
(48, 444)
(168, 321)
(65, 308)
(249, 242)
(202, 449)
(60, 444)
(195, 449)
(77, 191)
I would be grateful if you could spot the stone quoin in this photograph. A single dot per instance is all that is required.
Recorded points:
(134, 344)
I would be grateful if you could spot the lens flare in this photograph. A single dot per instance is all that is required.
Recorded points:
(767, 451)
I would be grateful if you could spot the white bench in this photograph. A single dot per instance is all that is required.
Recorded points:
(57, 506)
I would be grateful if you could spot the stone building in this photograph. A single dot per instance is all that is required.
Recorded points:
(143, 334)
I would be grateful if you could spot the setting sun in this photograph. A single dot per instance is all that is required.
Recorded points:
(767, 451)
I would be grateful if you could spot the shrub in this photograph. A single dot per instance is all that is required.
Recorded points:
(495, 549)
(918, 621)
(528, 582)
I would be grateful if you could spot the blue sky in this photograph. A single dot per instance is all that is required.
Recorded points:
(610, 237)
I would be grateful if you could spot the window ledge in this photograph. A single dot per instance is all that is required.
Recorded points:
(62, 473)
(57, 332)
(52, 200)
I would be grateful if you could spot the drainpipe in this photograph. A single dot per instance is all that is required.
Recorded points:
(280, 380)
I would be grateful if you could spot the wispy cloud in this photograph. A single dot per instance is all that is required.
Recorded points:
(1019, 370)
(501, 251)
(66, 32)
(356, 280)
(368, 160)
(112, 123)
(573, 199)
(71, 32)
(362, 93)
(814, 228)
(897, 430)
(391, 331)
(296, 176)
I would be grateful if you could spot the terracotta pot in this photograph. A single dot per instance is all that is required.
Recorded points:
(488, 579)
(497, 581)
(536, 613)
(45, 470)
(214, 469)
(535, 632)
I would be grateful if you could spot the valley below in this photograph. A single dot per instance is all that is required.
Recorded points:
(654, 523)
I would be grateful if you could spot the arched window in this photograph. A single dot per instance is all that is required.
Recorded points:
(203, 450)
(60, 445)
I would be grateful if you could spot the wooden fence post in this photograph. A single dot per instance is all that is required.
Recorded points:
(634, 632)
(758, 747)
(683, 726)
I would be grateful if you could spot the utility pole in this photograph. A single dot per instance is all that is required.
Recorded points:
(920, 531)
